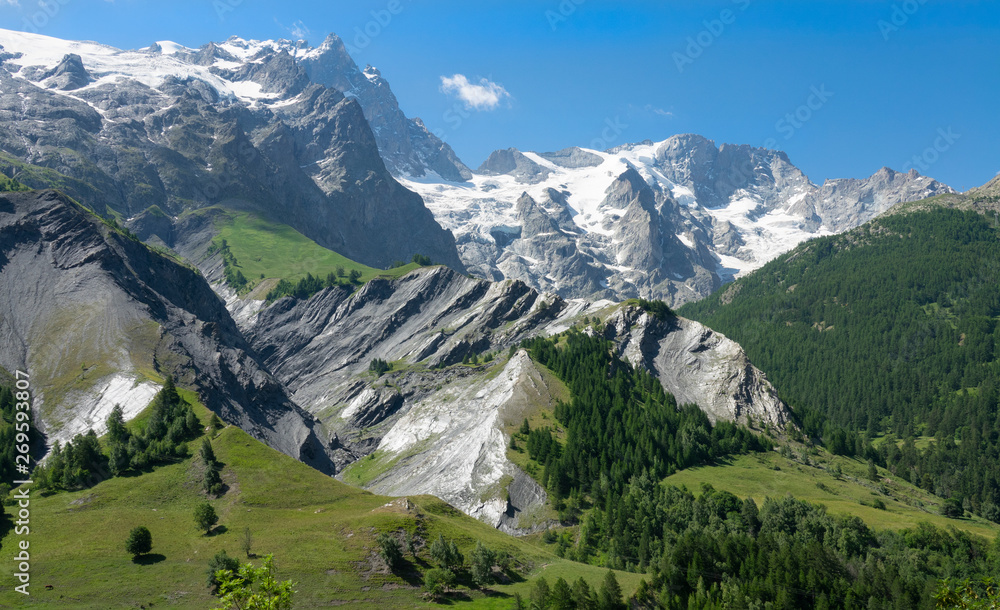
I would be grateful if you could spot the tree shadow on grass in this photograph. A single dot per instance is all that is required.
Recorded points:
(148, 559)
(218, 530)
(511, 578)
(408, 571)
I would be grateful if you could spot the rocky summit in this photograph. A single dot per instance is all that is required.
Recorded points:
(671, 220)
(265, 126)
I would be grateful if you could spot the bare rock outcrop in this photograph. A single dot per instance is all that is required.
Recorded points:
(698, 366)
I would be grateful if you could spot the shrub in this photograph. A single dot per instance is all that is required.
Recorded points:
(436, 580)
(221, 561)
(389, 550)
(952, 508)
(139, 542)
(205, 517)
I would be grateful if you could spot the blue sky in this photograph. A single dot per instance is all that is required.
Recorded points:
(843, 87)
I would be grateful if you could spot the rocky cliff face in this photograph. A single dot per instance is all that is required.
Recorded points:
(238, 124)
(90, 312)
(698, 366)
(671, 220)
(406, 145)
(435, 425)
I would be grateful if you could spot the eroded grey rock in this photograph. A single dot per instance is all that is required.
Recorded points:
(87, 311)
(433, 425)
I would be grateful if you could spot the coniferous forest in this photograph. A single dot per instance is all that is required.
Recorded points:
(712, 549)
(890, 330)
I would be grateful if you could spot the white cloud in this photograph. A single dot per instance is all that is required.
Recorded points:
(11, 2)
(485, 95)
(299, 30)
(659, 111)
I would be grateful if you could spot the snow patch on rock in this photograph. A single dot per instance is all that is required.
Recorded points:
(90, 409)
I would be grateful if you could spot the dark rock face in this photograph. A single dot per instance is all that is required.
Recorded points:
(406, 145)
(248, 131)
(83, 297)
(69, 75)
(573, 157)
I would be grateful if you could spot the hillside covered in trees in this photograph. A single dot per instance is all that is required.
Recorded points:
(620, 434)
(888, 330)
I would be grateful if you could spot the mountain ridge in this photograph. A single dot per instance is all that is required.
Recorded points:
(126, 317)
(713, 213)
(234, 124)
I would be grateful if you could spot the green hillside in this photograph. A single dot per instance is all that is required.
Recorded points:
(275, 259)
(9, 184)
(850, 492)
(891, 328)
(713, 517)
(321, 532)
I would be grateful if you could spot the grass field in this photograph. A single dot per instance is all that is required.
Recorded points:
(265, 249)
(320, 531)
(754, 475)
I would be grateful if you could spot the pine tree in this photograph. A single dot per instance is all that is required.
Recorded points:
(215, 424)
(482, 565)
(139, 541)
(562, 595)
(117, 432)
(389, 550)
(205, 517)
(610, 595)
(540, 593)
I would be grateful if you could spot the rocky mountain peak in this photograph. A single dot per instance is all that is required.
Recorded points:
(573, 157)
(513, 162)
(698, 366)
(406, 145)
(69, 75)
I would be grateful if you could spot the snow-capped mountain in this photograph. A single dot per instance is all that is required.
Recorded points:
(405, 144)
(302, 134)
(671, 220)
(257, 125)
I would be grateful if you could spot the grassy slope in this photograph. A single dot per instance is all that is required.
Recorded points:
(321, 532)
(538, 416)
(9, 184)
(262, 247)
(753, 475)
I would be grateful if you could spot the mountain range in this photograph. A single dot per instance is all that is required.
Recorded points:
(671, 220)
(259, 222)
(239, 125)
(171, 142)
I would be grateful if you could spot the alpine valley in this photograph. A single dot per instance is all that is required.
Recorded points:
(240, 277)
